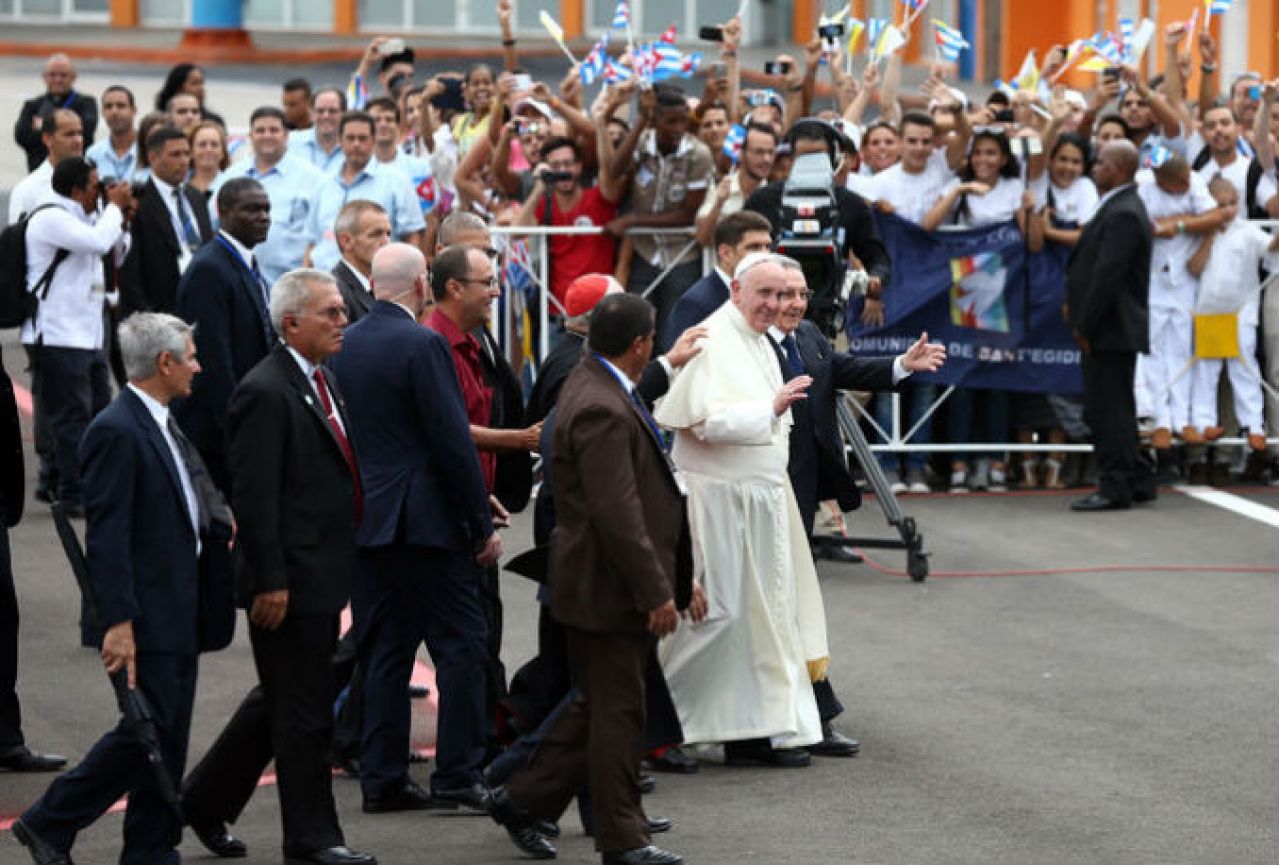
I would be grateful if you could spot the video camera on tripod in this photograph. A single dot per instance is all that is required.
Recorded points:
(810, 231)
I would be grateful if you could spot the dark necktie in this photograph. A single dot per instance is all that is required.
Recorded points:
(793, 359)
(191, 235)
(265, 291)
(209, 501)
(343, 441)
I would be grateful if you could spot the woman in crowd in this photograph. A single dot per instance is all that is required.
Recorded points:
(185, 78)
(208, 155)
(468, 127)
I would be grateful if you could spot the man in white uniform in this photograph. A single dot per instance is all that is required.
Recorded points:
(743, 675)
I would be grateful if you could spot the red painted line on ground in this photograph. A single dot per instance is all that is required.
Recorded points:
(23, 398)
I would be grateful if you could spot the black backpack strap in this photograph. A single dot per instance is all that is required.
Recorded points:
(42, 285)
(1201, 159)
(1256, 209)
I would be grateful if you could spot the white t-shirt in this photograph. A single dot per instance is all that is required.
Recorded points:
(913, 195)
(998, 205)
(1237, 173)
(1075, 203)
(1230, 282)
(1174, 252)
(862, 184)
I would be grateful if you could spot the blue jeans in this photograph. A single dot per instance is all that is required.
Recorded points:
(916, 400)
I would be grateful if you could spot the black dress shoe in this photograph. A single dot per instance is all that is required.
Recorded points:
(658, 825)
(649, 855)
(475, 797)
(332, 856)
(834, 744)
(647, 784)
(546, 828)
(520, 827)
(1098, 502)
(218, 841)
(409, 796)
(348, 766)
(673, 760)
(763, 754)
(23, 759)
(829, 551)
(42, 852)
(1141, 496)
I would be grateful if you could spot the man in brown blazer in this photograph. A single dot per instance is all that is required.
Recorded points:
(620, 572)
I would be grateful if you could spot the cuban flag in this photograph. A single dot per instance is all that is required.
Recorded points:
(690, 64)
(733, 142)
(666, 62)
(1218, 7)
(950, 42)
(622, 15)
(593, 66)
(669, 36)
(914, 5)
(1126, 28)
(616, 72)
(1154, 155)
(1105, 45)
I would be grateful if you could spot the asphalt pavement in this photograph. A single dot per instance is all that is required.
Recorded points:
(1063, 689)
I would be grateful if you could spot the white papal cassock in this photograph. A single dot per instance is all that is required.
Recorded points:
(744, 672)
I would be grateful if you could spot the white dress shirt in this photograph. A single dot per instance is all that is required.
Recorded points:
(308, 370)
(70, 315)
(160, 414)
(171, 203)
(32, 191)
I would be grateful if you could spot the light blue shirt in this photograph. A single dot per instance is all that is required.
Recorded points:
(418, 171)
(110, 165)
(292, 186)
(378, 183)
(303, 145)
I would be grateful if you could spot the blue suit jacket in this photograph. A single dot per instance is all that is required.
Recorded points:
(421, 474)
(140, 544)
(219, 295)
(695, 306)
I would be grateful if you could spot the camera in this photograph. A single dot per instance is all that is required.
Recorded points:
(1024, 147)
(1004, 115)
(711, 34)
(1110, 73)
(550, 177)
(831, 31)
(810, 233)
(773, 68)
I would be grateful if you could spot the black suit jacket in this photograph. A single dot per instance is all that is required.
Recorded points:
(702, 298)
(291, 489)
(139, 540)
(1108, 276)
(358, 300)
(149, 276)
(421, 472)
(221, 297)
(30, 140)
(562, 360)
(514, 480)
(12, 475)
(818, 466)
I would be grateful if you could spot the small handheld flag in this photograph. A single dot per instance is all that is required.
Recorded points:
(733, 142)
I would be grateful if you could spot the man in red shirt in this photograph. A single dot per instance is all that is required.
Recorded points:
(564, 202)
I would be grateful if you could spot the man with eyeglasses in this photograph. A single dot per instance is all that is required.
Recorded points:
(320, 145)
(817, 466)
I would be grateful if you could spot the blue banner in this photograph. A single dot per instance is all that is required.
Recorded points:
(996, 307)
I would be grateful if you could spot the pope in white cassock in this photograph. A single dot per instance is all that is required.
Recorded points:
(743, 675)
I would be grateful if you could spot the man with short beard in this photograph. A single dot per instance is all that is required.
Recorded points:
(1255, 185)
(730, 194)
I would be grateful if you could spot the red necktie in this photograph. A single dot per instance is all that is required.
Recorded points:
(345, 443)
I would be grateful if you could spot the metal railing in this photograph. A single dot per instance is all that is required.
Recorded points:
(892, 440)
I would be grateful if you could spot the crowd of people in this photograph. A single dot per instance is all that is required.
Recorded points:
(685, 417)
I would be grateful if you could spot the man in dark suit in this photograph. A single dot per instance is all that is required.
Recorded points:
(59, 81)
(1107, 282)
(818, 466)
(151, 513)
(621, 570)
(428, 530)
(224, 295)
(15, 756)
(736, 236)
(171, 223)
(295, 487)
(361, 229)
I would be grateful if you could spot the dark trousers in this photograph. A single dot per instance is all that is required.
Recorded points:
(10, 712)
(47, 476)
(74, 386)
(668, 291)
(401, 596)
(296, 674)
(599, 740)
(1110, 410)
(491, 604)
(116, 765)
(220, 786)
